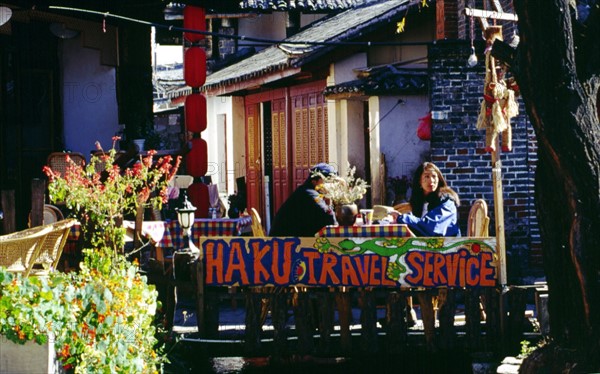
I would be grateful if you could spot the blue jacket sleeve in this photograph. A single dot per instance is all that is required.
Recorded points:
(439, 221)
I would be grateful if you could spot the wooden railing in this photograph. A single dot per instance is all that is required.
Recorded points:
(321, 282)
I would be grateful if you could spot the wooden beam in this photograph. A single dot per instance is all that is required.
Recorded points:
(492, 14)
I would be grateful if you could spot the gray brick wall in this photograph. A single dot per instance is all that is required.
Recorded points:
(457, 147)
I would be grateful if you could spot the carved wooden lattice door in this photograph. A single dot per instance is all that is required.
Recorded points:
(310, 133)
(281, 185)
(254, 185)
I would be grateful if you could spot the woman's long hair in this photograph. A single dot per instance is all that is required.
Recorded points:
(418, 198)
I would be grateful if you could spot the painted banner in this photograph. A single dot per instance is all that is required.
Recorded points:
(353, 262)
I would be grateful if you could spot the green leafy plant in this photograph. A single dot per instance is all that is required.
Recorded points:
(103, 316)
(100, 322)
(99, 194)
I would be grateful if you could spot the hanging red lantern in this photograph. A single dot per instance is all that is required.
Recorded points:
(198, 194)
(194, 66)
(194, 18)
(195, 112)
(197, 159)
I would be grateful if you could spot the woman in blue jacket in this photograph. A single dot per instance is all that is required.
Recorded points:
(434, 204)
(434, 213)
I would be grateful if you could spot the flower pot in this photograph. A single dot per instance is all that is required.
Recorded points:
(139, 144)
(346, 214)
(28, 358)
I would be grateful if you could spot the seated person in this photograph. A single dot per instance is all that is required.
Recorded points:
(434, 204)
(305, 212)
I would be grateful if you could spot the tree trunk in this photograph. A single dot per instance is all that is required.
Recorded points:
(558, 74)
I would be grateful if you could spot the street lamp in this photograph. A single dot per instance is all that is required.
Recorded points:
(185, 216)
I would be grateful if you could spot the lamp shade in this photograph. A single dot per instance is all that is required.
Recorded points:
(194, 66)
(194, 18)
(195, 112)
(197, 159)
(185, 214)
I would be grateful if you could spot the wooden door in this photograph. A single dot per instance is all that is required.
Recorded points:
(254, 185)
(281, 185)
(310, 132)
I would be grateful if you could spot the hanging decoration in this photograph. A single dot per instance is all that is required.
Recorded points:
(424, 128)
(498, 105)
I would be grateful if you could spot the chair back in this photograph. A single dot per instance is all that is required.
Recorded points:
(257, 228)
(478, 222)
(57, 161)
(403, 208)
(49, 252)
(17, 250)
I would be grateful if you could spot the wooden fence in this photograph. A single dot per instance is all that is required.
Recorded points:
(320, 282)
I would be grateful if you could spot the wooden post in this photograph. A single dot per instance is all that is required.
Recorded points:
(7, 204)
(499, 214)
(38, 189)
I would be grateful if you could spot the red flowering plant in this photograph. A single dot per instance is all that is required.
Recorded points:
(100, 193)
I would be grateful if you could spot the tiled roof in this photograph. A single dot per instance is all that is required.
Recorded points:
(381, 81)
(292, 54)
(302, 5)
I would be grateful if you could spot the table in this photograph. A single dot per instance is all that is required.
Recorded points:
(375, 231)
(174, 236)
(169, 234)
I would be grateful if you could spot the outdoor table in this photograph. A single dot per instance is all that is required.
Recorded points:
(174, 236)
(375, 231)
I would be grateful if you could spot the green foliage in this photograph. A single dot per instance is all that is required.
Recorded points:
(100, 193)
(102, 317)
(101, 322)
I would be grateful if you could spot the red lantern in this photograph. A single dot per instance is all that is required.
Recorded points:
(194, 66)
(197, 159)
(198, 194)
(194, 18)
(195, 112)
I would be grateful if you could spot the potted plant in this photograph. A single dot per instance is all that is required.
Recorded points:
(344, 192)
(102, 316)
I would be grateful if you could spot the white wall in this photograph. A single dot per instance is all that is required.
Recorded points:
(227, 111)
(88, 87)
(403, 150)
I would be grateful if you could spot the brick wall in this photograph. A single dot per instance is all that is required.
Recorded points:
(457, 147)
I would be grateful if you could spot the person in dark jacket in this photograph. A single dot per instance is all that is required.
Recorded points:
(306, 211)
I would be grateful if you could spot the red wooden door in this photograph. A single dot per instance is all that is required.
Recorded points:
(254, 185)
(281, 185)
(310, 132)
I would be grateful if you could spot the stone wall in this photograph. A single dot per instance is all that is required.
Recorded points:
(458, 148)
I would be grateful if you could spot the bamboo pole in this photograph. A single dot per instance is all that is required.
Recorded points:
(499, 213)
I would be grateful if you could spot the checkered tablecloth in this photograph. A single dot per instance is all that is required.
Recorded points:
(168, 234)
(174, 235)
(375, 231)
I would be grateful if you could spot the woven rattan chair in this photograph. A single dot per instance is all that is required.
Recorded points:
(57, 161)
(47, 256)
(478, 222)
(18, 249)
(257, 228)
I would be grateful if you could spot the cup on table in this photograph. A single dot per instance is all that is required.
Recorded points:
(367, 216)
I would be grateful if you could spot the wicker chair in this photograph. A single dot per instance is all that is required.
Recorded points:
(58, 160)
(17, 250)
(478, 222)
(47, 256)
(257, 228)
